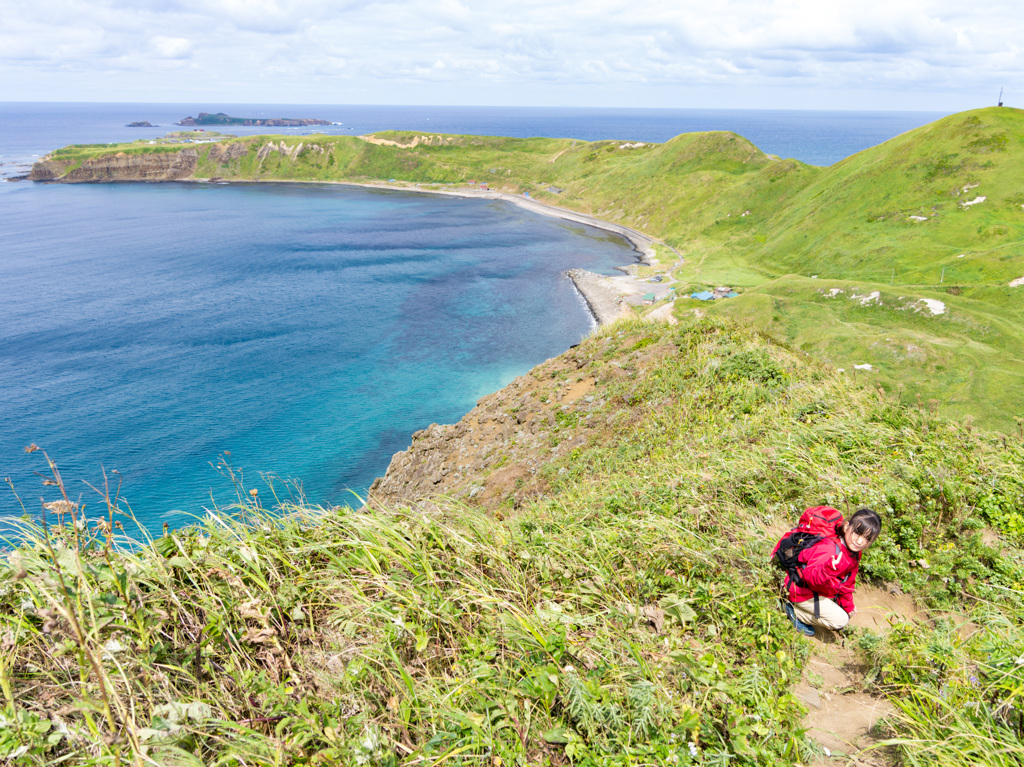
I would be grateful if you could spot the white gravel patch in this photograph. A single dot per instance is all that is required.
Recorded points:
(931, 304)
(865, 366)
(1017, 282)
(874, 297)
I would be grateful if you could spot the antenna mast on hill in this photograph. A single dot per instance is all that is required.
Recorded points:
(1000, 97)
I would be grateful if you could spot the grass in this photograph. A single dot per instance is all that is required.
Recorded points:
(617, 608)
(745, 219)
(612, 605)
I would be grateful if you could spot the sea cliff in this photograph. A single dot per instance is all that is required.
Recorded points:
(120, 166)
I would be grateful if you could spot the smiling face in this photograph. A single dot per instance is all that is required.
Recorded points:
(855, 542)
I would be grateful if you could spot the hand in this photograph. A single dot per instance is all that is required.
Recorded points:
(852, 612)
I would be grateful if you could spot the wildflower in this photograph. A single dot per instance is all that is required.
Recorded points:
(827, 752)
(974, 680)
(693, 749)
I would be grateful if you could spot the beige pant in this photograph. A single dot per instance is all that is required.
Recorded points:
(830, 615)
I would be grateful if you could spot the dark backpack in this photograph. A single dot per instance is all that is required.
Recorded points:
(816, 523)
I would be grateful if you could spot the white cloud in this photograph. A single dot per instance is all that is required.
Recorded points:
(511, 46)
(171, 47)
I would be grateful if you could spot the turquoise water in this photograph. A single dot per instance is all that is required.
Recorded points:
(306, 330)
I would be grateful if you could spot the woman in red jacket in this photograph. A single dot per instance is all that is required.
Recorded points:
(829, 574)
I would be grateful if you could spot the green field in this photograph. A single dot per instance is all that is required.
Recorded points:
(905, 220)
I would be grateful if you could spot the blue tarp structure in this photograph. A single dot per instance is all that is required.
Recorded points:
(704, 295)
(731, 294)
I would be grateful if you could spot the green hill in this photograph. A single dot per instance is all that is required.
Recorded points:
(591, 586)
(929, 225)
(605, 601)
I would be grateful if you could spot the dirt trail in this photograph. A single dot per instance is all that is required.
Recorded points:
(840, 717)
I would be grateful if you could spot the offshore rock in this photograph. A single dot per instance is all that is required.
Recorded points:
(205, 118)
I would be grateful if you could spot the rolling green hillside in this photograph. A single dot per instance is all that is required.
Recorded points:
(911, 245)
(613, 605)
(594, 589)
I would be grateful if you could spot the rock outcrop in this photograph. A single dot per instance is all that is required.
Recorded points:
(227, 152)
(497, 455)
(155, 166)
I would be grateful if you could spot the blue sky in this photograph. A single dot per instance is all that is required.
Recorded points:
(793, 54)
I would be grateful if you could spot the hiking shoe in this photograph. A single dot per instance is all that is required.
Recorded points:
(798, 624)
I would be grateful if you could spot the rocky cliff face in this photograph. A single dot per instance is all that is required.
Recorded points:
(158, 166)
(500, 454)
(227, 152)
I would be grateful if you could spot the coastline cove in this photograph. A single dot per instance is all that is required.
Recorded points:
(165, 332)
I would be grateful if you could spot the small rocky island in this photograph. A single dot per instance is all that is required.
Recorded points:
(141, 124)
(220, 118)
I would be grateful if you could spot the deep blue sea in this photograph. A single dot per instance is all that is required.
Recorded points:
(296, 331)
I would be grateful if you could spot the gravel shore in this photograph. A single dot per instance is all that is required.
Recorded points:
(604, 295)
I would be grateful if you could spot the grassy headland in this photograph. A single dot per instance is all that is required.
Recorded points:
(930, 221)
(616, 607)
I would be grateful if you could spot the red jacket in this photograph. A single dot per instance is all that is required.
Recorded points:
(830, 570)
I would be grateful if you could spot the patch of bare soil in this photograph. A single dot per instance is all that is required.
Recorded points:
(841, 717)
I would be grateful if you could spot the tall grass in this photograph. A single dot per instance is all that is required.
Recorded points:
(623, 616)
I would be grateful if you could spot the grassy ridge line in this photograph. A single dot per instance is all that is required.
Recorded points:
(743, 218)
(622, 616)
(851, 218)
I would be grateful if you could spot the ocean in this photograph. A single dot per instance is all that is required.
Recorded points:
(189, 342)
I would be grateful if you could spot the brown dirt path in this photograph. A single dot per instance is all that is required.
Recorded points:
(841, 718)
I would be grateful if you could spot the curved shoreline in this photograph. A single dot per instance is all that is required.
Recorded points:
(603, 296)
(642, 243)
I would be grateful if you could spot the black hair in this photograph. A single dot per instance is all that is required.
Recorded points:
(865, 522)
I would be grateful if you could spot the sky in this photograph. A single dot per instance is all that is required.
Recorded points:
(937, 55)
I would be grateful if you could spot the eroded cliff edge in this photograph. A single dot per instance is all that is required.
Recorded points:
(506, 450)
(156, 166)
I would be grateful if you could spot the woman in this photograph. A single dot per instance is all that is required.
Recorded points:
(823, 594)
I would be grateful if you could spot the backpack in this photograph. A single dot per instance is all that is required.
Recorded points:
(815, 524)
